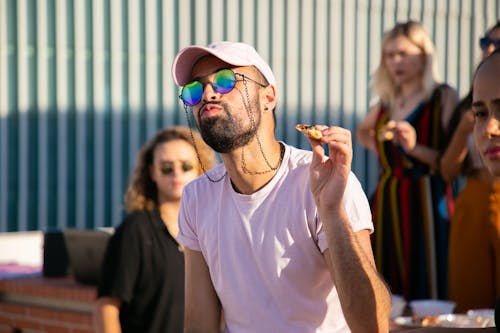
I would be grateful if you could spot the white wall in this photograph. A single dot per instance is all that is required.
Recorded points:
(22, 248)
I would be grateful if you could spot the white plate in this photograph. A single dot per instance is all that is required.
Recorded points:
(446, 320)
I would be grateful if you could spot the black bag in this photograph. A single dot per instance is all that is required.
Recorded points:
(55, 255)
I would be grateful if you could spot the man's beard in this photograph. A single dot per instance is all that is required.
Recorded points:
(224, 133)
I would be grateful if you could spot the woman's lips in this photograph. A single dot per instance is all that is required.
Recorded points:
(492, 153)
(179, 184)
(399, 72)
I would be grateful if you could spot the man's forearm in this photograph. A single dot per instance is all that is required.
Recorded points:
(363, 294)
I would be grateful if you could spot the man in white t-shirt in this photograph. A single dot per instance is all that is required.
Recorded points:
(275, 237)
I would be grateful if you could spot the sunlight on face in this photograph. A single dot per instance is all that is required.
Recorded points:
(174, 165)
(403, 59)
(486, 109)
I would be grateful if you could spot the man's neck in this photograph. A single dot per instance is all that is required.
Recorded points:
(250, 168)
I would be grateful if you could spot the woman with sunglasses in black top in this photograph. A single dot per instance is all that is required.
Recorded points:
(142, 280)
(473, 269)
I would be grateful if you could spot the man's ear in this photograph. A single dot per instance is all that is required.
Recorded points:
(268, 98)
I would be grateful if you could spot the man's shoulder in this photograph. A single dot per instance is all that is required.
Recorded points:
(354, 185)
(300, 157)
(209, 180)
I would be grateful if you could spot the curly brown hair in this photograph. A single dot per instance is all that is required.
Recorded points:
(142, 193)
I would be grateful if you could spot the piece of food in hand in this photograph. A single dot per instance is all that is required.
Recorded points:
(386, 133)
(309, 130)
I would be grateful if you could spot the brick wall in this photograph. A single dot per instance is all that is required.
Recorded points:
(16, 318)
(36, 305)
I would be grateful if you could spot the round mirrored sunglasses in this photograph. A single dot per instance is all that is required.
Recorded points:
(223, 82)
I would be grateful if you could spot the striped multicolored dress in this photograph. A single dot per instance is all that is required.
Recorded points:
(410, 211)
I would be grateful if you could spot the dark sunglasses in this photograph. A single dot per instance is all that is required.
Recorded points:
(224, 81)
(168, 169)
(486, 41)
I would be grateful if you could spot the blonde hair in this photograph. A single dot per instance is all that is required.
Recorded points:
(382, 83)
(142, 193)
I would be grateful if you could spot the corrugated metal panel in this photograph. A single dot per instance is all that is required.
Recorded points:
(83, 83)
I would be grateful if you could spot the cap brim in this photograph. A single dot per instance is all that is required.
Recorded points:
(187, 58)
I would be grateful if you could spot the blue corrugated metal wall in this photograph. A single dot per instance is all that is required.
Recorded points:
(83, 83)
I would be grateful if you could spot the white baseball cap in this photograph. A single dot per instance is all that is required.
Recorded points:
(237, 54)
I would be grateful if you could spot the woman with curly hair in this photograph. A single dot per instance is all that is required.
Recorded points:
(142, 279)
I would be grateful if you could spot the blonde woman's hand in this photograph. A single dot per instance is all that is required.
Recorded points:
(405, 135)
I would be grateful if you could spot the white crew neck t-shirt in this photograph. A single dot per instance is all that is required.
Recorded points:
(264, 250)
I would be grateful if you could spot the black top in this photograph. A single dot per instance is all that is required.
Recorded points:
(144, 267)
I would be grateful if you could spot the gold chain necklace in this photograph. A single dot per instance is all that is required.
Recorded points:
(271, 168)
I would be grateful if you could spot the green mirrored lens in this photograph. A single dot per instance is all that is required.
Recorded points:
(224, 81)
(191, 93)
